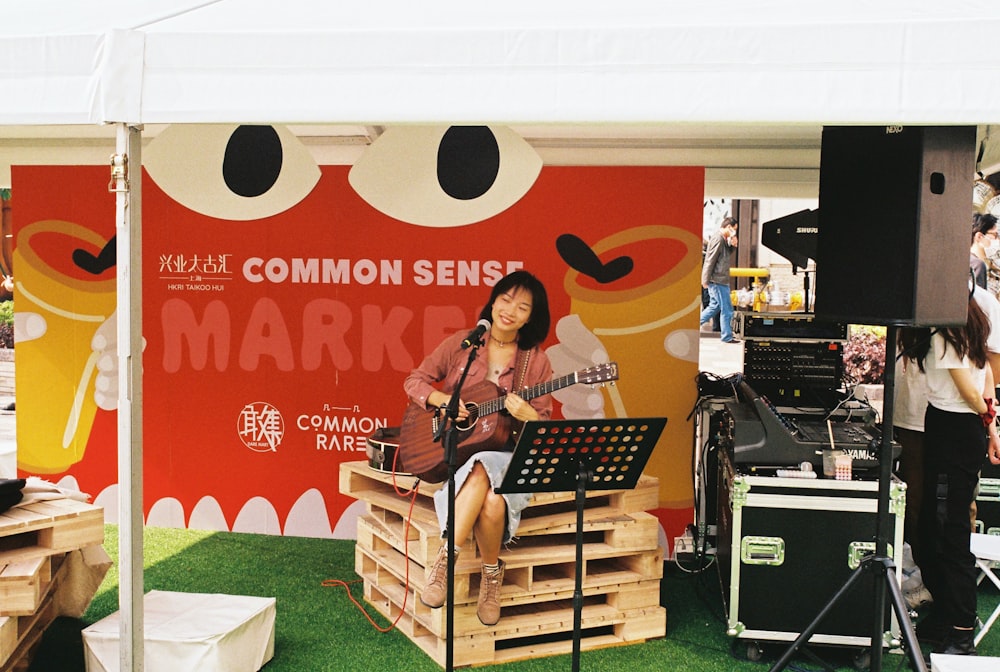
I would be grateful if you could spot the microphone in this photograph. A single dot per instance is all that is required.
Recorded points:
(475, 336)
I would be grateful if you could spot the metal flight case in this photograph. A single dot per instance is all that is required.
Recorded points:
(988, 500)
(792, 544)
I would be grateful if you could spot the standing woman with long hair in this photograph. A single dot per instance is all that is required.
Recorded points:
(959, 432)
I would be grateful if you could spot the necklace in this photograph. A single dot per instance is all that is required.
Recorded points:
(501, 343)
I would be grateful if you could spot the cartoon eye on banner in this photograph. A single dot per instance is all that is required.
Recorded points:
(232, 172)
(445, 176)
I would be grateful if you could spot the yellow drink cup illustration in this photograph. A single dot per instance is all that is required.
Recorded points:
(56, 370)
(633, 317)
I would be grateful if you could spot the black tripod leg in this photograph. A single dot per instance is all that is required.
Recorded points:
(811, 628)
(903, 615)
(816, 659)
(898, 605)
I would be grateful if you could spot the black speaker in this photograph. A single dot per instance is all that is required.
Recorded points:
(895, 224)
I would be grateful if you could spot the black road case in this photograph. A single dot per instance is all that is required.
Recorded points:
(795, 542)
(988, 499)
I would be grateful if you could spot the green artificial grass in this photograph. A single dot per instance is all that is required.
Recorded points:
(318, 629)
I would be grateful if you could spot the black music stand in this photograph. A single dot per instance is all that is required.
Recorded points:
(581, 455)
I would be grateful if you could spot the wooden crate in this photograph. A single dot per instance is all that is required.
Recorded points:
(36, 540)
(534, 572)
(623, 536)
(621, 571)
(529, 630)
(547, 509)
(20, 635)
(24, 583)
(48, 527)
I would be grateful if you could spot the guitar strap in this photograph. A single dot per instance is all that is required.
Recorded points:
(521, 364)
(521, 367)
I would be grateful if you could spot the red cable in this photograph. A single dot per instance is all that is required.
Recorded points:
(406, 553)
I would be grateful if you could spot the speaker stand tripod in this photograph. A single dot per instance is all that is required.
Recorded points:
(880, 562)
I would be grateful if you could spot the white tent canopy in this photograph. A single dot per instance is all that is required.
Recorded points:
(632, 62)
(392, 61)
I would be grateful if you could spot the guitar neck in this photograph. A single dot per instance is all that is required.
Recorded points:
(529, 393)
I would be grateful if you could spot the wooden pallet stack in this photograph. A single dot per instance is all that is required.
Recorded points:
(41, 549)
(622, 568)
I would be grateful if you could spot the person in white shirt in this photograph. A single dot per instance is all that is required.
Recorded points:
(910, 404)
(959, 433)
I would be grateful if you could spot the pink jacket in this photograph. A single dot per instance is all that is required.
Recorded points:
(442, 368)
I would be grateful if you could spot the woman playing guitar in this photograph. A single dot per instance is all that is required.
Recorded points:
(518, 311)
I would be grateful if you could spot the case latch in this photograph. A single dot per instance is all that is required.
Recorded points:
(768, 551)
(859, 550)
(989, 488)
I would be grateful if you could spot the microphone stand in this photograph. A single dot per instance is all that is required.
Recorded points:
(447, 432)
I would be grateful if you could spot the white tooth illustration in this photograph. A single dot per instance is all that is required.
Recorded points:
(257, 516)
(207, 515)
(308, 517)
(68, 483)
(166, 512)
(347, 525)
(108, 499)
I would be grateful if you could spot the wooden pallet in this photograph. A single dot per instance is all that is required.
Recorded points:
(534, 573)
(20, 635)
(36, 540)
(620, 573)
(47, 527)
(24, 583)
(74, 579)
(627, 532)
(546, 511)
(524, 631)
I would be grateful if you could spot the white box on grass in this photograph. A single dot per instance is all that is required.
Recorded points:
(194, 632)
(942, 663)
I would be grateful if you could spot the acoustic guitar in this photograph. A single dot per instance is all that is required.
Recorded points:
(423, 456)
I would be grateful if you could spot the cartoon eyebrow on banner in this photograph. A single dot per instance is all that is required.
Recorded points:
(578, 255)
(102, 261)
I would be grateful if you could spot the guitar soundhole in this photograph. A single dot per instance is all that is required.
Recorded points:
(470, 421)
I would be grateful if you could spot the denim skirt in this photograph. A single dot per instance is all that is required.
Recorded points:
(495, 462)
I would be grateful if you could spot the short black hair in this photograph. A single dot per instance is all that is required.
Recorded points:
(981, 223)
(536, 329)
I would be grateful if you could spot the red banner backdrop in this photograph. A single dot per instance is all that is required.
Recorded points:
(275, 346)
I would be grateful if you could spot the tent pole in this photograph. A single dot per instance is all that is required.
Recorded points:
(126, 182)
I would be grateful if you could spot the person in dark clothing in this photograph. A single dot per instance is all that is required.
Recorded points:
(715, 278)
(959, 432)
